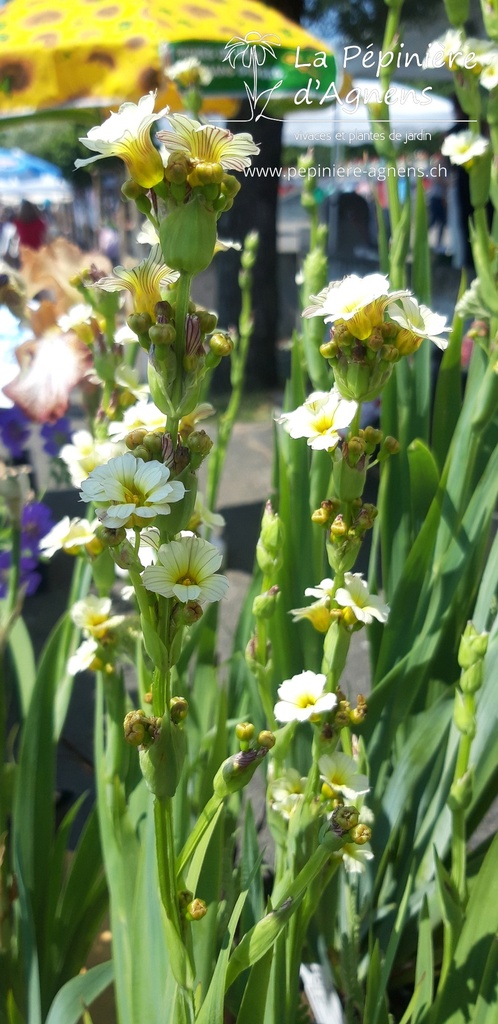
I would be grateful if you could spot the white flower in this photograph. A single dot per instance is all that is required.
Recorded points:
(85, 453)
(202, 516)
(489, 73)
(83, 658)
(188, 72)
(207, 143)
(355, 858)
(286, 793)
(418, 320)
(449, 49)
(125, 336)
(357, 301)
(79, 314)
(320, 418)
(463, 147)
(92, 615)
(340, 772)
(136, 491)
(148, 234)
(127, 377)
(303, 697)
(354, 594)
(70, 535)
(127, 135)
(142, 414)
(187, 569)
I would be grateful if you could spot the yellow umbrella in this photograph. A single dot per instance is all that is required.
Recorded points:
(88, 53)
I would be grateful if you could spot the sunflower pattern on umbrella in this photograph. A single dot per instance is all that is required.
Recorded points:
(99, 52)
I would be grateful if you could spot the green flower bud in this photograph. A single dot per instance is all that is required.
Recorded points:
(473, 646)
(272, 530)
(135, 437)
(244, 731)
(139, 728)
(221, 344)
(330, 838)
(111, 538)
(349, 481)
(344, 818)
(463, 715)
(199, 443)
(139, 323)
(237, 771)
(196, 910)
(188, 236)
(266, 739)
(153, 444)
(130, 189)
(162, 334)
(360, 381)
(163, 311)
(162, 761)
(264, 605)
(342, 552)
(360, 834)
(460, 795)
(178, 709)
(207, 321)
(177, 168)
(231, 186)
(371, 436)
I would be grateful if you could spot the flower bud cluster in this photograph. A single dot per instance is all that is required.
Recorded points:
(269, 550)
(345, 715)
(372, 329)
(344, 541)
(344, 826)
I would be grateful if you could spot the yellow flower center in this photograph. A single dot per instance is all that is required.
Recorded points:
(305, 700)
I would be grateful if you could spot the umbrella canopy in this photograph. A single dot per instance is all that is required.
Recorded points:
(411, 113)
(91, 53)
(23, 176)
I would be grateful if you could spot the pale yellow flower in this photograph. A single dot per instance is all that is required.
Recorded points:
(126, 134)
(207, 143)
(144, 281)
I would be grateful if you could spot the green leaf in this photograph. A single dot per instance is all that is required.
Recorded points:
(448, 396)
(487, 1000)
(211, 1011)
(451, 910)
(475, 950)
(254, 906)
(421, 273)
(79, 993)
(23, 658)
(252, 1007)
(424, 481)
(375, 994)
(424, 971)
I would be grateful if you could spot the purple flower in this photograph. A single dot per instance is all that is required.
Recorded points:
(14, 431)
(36, 522)
(29, 579)
(55, 435)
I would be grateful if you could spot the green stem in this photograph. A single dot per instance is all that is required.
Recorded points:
(181, 313)
(13, 595)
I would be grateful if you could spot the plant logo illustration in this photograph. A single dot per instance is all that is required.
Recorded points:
(252, 51)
